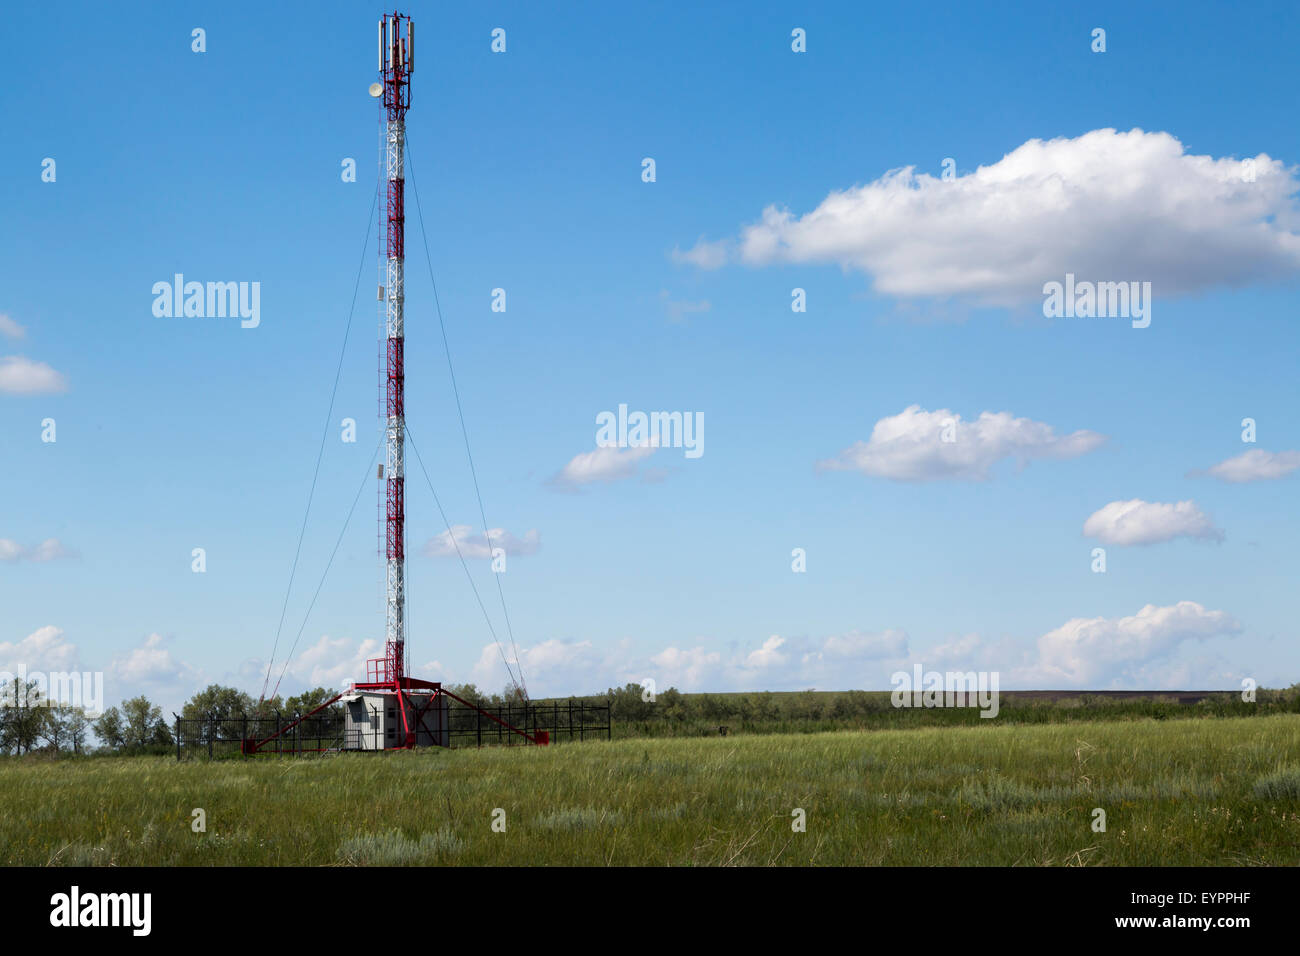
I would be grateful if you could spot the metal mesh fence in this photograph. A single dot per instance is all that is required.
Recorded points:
(216, 737)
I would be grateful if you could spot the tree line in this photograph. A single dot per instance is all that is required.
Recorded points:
(32, 723)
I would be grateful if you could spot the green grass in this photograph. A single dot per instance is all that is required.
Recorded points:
(1178, 792)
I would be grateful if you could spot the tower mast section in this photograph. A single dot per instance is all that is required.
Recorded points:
(396, 60)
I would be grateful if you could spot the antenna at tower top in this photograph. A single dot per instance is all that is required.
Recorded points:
(396, 62)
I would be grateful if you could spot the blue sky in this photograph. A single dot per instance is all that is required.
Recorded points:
(178, 433)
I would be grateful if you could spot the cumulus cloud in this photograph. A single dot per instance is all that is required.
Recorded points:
(149, 668)
(552, 667)
(688, 668)
(330, 662)
(22, 376)
(769, 655)
(1256, 465)
(45, 649)
(10, 328)
(560, 667)
(1142, 650)
(476, 545)
(781, 663)
(1106, 205)
(1147, 650)
(1148, 522)
(51, 549)
(605, 464)
(910, 446)
(704, 255)
(1089, 651)
(151, 663)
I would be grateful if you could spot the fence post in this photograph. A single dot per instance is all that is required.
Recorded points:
(478, 725)
(178, 736)
(582, 719)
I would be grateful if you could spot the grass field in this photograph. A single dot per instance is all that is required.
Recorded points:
(1177, 792)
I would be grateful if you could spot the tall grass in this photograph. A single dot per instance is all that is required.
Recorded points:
(1174, 792)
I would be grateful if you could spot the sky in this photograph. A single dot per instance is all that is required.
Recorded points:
(917, 467)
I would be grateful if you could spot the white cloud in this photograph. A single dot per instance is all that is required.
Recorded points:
(51, 549)
(22, 376)
(1137, 651)
(476, 545)
(602, 465)
(769, 655)
(43, 650)
(909, 446)
(1256, 465)
(10, 328)
(780, 663)
(433, 667)
(550, 668)
(1148, 522)
(704, 255)
(1106, 205)
(1146, 650)
(1091, 651)
(151, 663)
(686, 668)
(330, 662)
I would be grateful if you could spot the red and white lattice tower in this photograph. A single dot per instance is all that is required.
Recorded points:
(396, 48)
(391, 710)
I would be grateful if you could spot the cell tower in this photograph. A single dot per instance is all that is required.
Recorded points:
(390, 710)
(396, 63)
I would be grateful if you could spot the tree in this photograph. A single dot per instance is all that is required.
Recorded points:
(162, 734)
(627, 703)
(223, 703)
(78, 725)
(55, 731)
(142, 721)
(468, 692)
(308, 701)
(22, 716)
(672, 704)
(109, 729)
(222, 709)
